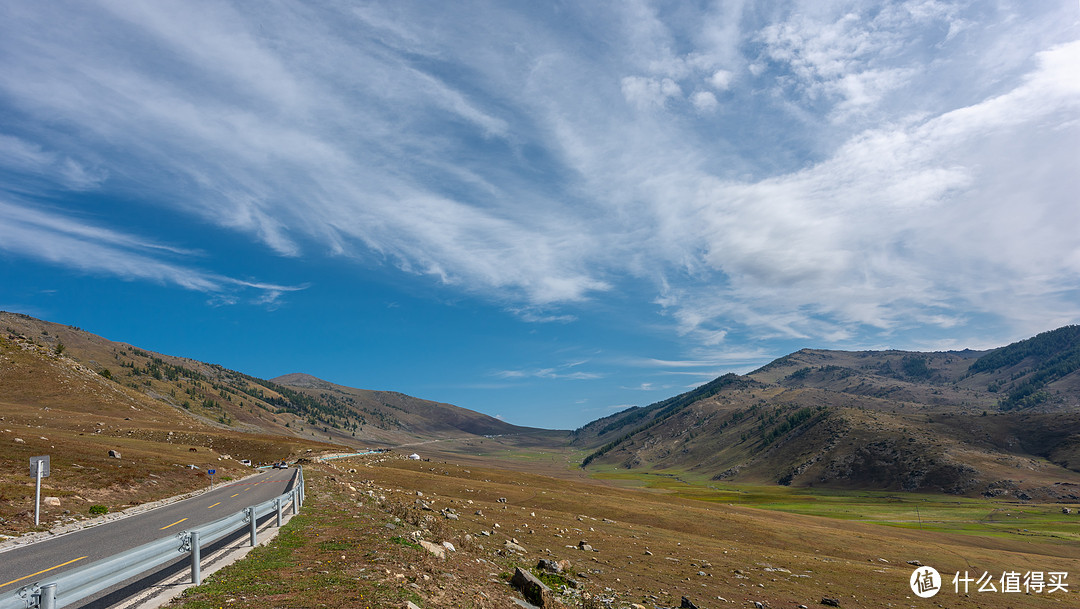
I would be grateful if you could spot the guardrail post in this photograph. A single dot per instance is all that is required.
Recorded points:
(47, 600)
(295, 507)
(251, 516)
(277, 509)
(196, 575)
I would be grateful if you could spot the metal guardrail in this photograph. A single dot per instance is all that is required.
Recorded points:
(78, 584)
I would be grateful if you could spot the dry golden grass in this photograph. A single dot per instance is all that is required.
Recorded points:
(53, 405)
(651, 548)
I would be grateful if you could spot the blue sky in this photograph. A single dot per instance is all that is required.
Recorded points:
(543, 211)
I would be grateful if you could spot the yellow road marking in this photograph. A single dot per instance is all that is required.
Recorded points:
(42, 571)
(169, 525)
(218, 503)
(231, 496)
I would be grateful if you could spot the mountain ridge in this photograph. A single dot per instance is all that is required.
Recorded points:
(296, 404)
(963, 422)
(898, 420)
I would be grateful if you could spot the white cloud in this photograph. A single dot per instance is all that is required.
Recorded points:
(704, 101)
(927, 213)
(26, 158)
(62, 241)
(644, 93)
(721, 79)
(547, 373)
(876, 167)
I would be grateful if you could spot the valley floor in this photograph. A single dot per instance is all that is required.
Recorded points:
(363, 539)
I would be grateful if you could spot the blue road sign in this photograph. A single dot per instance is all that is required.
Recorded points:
(211, 471)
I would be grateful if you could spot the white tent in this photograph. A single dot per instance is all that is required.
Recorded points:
(414, 457)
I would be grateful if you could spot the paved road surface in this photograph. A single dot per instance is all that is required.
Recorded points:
(39, 561)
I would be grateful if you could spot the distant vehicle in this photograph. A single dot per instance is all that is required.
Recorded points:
(281, 465)
(246, 462)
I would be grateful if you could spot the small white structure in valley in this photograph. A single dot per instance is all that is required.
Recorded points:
(414, 457)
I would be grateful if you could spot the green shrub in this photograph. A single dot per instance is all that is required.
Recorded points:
(98, 509)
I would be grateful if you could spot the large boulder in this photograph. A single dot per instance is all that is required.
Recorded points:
(437, 550)
(548, 565)
(534, 590)
(513, 547)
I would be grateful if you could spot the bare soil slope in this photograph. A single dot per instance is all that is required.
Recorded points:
(962, 422)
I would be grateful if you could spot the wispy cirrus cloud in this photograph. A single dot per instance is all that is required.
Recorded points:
(563, 371)
(61, 240)
(834, 171)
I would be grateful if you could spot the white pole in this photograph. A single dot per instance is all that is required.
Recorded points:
(37, 494)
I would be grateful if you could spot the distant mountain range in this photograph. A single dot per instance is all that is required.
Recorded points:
(294, 405)
(999, 422)
(1004, 421)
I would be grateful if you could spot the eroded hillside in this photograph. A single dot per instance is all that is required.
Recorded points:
(1005, 421)
(123, 425)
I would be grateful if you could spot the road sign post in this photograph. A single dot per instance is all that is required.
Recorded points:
(211, 472)
(39, 468)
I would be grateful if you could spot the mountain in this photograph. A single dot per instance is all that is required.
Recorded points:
(296, 405)
(393, 413)
(83, 400)
(1004, 421)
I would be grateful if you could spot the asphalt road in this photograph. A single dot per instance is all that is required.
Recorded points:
(39, 561)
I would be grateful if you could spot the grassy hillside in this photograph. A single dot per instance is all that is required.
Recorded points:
(393, 411)
(1006, 421)
(358, 543)
(76, 396)
(52, 404)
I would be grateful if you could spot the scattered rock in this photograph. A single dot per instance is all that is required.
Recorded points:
(53, 501)
(437, 550)
(513, 547)
(584, 547)
(830, 602)
(548, 565)
(686, 604)
(449, 546)
(534, 590)
(20, 441)
(115, 454)
(915, 563)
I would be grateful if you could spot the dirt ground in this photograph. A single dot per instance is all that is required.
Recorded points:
(371, 527)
